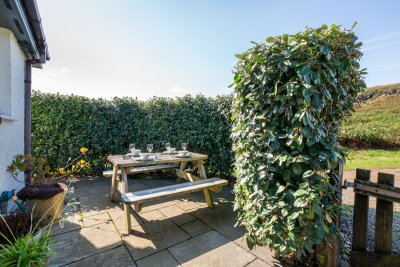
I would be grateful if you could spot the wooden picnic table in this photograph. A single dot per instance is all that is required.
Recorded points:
(121, 164)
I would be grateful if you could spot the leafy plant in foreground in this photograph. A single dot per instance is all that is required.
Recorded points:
(290, 98)
(25, 250)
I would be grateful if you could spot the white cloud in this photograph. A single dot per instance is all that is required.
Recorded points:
(381, 38)
(382, 41)
(179, 91)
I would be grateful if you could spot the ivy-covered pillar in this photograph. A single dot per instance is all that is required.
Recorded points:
(291, 95)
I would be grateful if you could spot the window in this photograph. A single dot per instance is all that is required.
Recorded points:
(5, 73)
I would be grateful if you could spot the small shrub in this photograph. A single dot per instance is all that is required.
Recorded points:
(27, 250)
(14, 226)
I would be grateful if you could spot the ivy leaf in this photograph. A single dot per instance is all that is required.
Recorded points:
(297, 169)
(250, 242)
(237, 78)
(292, 236)
(281, 188)
(300, 202)
(300, 192)
(239, 56)
(328, 218)
(308, 174)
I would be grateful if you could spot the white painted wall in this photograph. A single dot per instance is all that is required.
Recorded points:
(12, 74)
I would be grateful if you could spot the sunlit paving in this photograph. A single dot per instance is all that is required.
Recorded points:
(179, 230)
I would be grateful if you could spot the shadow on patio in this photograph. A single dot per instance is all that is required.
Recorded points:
(173, 232)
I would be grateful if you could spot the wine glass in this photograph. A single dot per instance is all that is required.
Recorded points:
(184, 146)
(132, 147)
(149, 147)
(167, 146)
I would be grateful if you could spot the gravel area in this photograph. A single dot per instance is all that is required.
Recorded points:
(346, 225)
(346, 228)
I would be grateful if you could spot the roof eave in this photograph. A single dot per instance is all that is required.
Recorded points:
(35, 23)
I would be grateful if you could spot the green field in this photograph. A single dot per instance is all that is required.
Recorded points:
(373, 130)
(373, 159)
(376, 123)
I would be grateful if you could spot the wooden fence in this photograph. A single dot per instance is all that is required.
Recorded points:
(385, 194)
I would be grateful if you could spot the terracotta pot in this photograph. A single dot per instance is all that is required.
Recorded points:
(47, 210)
(45, 201)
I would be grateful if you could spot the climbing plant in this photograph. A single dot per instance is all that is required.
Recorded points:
(291, 94)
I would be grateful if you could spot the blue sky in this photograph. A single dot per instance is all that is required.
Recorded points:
(169, 48)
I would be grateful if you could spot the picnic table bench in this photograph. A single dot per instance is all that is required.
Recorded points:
(122, 166)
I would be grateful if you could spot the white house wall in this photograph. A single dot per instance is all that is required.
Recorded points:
(12, 71)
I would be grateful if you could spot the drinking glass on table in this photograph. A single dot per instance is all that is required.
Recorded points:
(184, 146)
(167, 146)
(149, 147)
(131, 147)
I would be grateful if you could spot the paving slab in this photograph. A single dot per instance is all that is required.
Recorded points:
(157, 182)
(190, 205)
(71, 204)
(69, 222)
(222, 218)
(99, 203)
(135, 185)
(152, 237)
(96, 219)
(210, 249)
(177, 215)
(258, 263)
(264, 253)
(195, 228)
(90, 187)
(118, 217)
(79, 244)
(118, 257)
(158, 204)
(197, 197)
(149, 216)
(159, 259)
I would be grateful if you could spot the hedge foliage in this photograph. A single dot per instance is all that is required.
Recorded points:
(61, 124)
(290, 97)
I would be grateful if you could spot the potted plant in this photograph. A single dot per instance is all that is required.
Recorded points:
(44, 195)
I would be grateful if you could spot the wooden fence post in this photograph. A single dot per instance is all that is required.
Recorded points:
(384, 218)
(329, 253)
(360, 216)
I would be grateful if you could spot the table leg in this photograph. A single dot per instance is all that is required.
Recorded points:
(114, 182)
(182, 168)
(202, 174)
(125, 189)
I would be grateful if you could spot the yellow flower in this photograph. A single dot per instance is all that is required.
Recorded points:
(82, 163)
(61, 170)
(83, 150)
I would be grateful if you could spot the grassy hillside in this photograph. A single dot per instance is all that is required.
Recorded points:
(376, 122)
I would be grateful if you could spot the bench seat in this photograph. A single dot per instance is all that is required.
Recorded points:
(148, 195)
(109, 173)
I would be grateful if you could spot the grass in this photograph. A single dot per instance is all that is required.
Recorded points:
(373, 159)
(375, 123)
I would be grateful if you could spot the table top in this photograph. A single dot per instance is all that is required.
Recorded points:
(158, 158)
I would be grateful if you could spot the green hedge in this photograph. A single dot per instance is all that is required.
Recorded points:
(61, 124)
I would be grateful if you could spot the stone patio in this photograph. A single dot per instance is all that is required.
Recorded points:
(181, 231)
